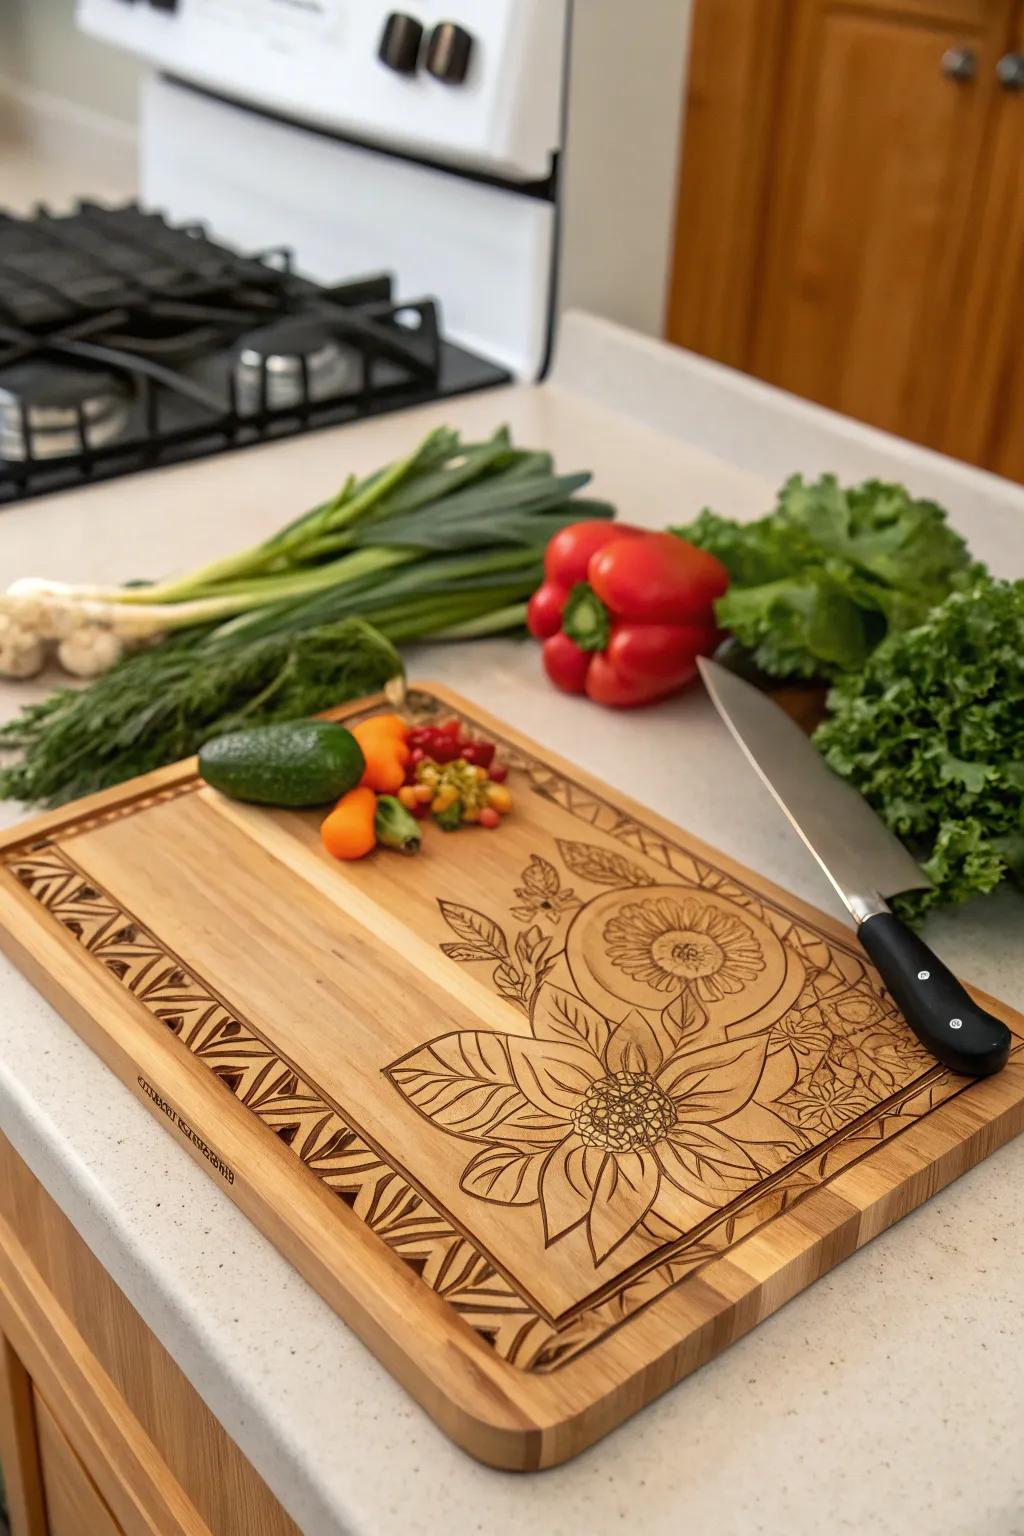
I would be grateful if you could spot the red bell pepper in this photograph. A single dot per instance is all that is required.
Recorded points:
(624, 614)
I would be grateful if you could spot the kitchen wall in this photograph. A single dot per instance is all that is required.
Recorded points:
(40, 50)
(624, 135)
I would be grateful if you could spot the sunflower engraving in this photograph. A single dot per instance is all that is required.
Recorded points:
(596, 1121)
(676, 945)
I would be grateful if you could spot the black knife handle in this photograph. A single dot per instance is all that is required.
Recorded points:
(940, 1012)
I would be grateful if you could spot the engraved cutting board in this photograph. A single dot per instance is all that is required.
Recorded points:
(549, 1115)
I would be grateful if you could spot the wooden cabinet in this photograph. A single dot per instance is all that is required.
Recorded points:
(19, 1447)
(100, 1432)
(853, 230)
(74, 1505)
(983, 415)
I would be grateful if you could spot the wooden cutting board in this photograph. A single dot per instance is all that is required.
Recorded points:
(550, 1115)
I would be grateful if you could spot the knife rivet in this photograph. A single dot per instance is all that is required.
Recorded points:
(956, 1023)
(923, 975)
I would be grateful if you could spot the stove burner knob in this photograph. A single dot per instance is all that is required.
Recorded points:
(400, 43)
(448, 53)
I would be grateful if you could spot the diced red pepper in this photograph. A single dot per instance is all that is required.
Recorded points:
(444, 748)
(479, 753)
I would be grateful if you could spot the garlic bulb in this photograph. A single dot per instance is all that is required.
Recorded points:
(89, 650)
(22, 652)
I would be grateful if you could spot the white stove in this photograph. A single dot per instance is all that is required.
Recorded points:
(443, 141)
(478, 85)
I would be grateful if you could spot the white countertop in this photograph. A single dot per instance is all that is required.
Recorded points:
(885, 1399)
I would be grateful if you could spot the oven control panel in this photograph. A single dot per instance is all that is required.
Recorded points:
(468, 82)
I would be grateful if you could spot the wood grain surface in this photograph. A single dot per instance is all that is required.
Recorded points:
(550, 1114)
(73, 1502)
(849, 223)
(19, 1447)
(159, 1458)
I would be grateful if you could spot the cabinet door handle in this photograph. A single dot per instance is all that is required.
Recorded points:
(1010, 72)
(960, 63)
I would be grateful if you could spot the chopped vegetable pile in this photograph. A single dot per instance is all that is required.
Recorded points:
(415, 772)
(385, 775)
(454, 778)
(931, 731)
(821, 580)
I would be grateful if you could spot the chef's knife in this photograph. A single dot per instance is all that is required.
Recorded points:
(866, 864)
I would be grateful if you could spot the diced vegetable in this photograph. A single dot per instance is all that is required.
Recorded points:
(386, 755)
(454, 776)
(395, 827)
(350, 831)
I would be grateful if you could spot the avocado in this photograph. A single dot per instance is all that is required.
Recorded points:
(302, 762)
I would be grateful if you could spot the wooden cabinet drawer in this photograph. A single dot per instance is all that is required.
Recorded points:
(74, 1505)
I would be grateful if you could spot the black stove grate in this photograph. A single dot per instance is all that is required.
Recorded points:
(55, 270)
(127, 342)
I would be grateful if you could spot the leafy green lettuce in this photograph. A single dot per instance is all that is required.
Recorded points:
(931, 731)
(821, 580)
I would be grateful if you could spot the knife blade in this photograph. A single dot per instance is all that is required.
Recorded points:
(866, 864)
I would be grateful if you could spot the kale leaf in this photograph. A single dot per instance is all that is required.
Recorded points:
(931, 731)
(821, 580)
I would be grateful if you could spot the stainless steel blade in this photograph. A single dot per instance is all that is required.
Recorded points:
(858, 853)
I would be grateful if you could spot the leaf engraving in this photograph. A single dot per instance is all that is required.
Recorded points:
(467, 952)
(510, 983)
(531, 948)
(540, 877)
(560, 1015)
(600, 865)
(474, 928)
(464, 1084)
(685, 1016)
(700, 1158)
(503, 1175)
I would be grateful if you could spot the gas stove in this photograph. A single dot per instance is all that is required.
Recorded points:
(128, 342)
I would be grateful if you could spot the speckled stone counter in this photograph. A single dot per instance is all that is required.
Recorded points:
(886, 1399)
